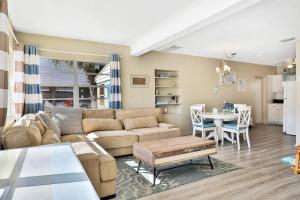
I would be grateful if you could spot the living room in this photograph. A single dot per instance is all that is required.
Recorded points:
(164, 67)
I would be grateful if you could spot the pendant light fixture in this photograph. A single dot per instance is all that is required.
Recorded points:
(224, 67)
(291, 64)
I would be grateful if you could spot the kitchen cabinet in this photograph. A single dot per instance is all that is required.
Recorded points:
(277, 86)
(275, 113)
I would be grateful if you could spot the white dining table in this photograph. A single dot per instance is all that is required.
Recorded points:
(218, 121)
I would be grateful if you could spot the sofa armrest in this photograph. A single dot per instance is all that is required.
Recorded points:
(90, 163)
(165, 125)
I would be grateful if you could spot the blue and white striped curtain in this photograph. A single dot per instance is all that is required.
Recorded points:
(115, 100)
(33, 93)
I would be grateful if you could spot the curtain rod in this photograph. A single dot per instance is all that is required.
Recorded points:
(12, 32)
(75, 52)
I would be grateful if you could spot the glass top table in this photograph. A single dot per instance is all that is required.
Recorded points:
(50, 171)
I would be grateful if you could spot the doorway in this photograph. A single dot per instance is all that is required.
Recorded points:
(258, 112)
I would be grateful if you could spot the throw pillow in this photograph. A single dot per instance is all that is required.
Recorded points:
(21, 136)
(68, 120)
(50, 123)
(96, 124)
(50, 138)
(140, 122)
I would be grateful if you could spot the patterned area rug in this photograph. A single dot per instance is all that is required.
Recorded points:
(132, 185)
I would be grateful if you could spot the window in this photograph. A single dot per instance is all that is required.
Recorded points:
(74, 83)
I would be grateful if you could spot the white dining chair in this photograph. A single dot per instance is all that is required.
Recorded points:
(237, 107)
(241, 126)
(199, 123)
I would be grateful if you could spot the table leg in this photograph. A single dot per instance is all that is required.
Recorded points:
(219, 123)
(227, 137)
(138, 167)
(210, 163)
(154, 175)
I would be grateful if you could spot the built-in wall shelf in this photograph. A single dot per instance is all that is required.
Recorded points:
(167, 91)
(167, 104)
(165, 86)
(166, 77)
(167, 95)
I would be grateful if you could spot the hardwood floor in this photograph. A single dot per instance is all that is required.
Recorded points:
(262, 176)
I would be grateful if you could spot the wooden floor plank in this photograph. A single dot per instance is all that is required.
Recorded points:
(262, 176)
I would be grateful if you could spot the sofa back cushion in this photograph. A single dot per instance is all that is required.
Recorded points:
(134, 113)
(98, 113)
(49, 122)
(97, 124)
(68, 120)
(140, 122)
(25, 135)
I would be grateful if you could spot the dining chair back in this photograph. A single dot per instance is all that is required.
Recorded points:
(241, 126)
(197, 111)
(198, 121)
(244, 117)
(237, 107)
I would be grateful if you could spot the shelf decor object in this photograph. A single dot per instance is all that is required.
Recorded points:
(139, 81)
(167, 91)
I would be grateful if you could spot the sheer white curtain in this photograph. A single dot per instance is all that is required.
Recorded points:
(11, 82)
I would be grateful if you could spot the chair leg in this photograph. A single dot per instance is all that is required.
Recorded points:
(222, 137)
(232, 137)
(203, 134)
(216, 138)
(238, 140)
(248, 140)
(194, 132)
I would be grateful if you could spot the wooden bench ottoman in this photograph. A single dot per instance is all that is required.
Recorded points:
(165, 152)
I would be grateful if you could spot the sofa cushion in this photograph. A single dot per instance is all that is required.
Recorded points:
(97, 124)
(98, 113)
(140, 122)
(113, 139)
(165, 125)
(132, 113)
(68, 120)
(50, 123)
(156, 133)
(73, 138)
(21, 136)
(50, 138)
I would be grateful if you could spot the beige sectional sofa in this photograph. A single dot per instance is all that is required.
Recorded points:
(120, 141)
(105, 133)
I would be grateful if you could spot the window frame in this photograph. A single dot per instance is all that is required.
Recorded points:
(76, 86)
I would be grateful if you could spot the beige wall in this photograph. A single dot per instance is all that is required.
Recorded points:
(197, 75)
(298, 93)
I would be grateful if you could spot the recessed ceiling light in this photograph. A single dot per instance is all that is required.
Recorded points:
(287, 39)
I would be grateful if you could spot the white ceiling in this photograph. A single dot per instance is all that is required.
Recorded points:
(253, 33)
(206, 28)
(112, 21)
